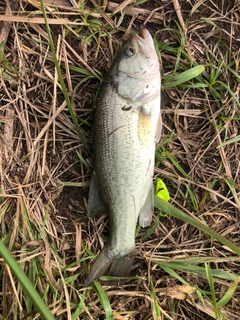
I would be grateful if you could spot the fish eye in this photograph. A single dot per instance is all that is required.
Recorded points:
(128, 52)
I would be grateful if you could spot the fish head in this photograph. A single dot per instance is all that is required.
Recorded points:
(135, 71)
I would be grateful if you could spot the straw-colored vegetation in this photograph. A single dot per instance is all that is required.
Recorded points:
(53, 55)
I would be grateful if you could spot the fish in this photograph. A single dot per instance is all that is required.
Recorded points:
(126, 127)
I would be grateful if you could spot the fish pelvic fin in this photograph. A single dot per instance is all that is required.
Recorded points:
(100, 266)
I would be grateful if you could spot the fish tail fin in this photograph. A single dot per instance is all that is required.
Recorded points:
(100, 266)
(121, 267)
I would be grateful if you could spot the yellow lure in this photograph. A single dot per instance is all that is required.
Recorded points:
(161, 191)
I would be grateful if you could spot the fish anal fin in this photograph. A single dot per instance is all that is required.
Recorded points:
(95, 203)
(146, 212)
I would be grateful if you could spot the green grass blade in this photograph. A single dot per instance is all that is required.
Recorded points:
(192, 268)
(83, 160)
(230, 183)
(150, 230)
(228, 294)
(25, 282)
(168, 155)
(210, 281)
(211, 285)
(229, 141)
(102, 296)
(194, 201)
(172, 273)
(156, 312)
(202, 260)
(167, 207)
(184, 76)
(80, 306)
(226, 87)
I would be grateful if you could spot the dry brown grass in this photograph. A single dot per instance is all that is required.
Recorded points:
(44, 185)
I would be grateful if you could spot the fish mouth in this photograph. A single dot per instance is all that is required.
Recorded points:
(144, 37)
(146, 45)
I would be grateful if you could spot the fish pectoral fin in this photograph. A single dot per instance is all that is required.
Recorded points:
(146, 212)
(158, 128)
(95, 203)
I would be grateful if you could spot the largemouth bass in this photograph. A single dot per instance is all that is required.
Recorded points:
(127, 125)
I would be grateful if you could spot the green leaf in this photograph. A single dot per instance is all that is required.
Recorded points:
(190, 267)
(210, 281)
(172, 273)
(151, 229)
(228, 294)
(170, 209)
(211, 285)
(25, 282)
(102, 296)
(156, 311)
(184, 76)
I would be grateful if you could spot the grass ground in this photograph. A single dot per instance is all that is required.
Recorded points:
(183, 270)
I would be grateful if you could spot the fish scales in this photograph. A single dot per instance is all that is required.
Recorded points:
(116, 160)
(126, 126)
